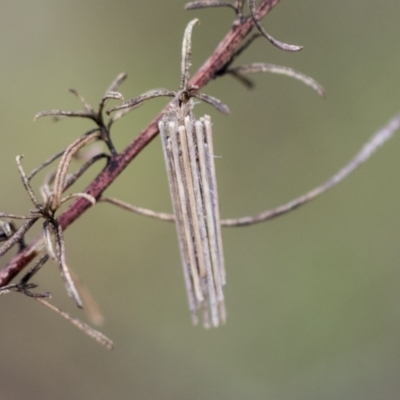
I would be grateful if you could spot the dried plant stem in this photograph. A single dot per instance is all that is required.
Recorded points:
(138, 210)
(375, 142)
(45, 164)
(93, 333)
(194, 5)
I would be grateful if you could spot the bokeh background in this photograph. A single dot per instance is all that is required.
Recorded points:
(313, 297)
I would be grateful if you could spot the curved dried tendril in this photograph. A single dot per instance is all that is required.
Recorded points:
(257, 22)
(138, 210)
(194, 5)
(117, 82)
(281, 70)
(221, 107)
(109, 96)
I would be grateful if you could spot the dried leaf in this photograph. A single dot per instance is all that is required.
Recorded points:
(140, 99)
(221, 107)
(278, 69)
(187, 54)
(117, 82)
(275, 42)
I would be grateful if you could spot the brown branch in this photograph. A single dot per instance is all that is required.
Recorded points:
(119, 162)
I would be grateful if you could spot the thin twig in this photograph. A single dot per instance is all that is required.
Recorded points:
(35, 269)
(138, 210)
(45, 164)
(71, 179)
(93, 333)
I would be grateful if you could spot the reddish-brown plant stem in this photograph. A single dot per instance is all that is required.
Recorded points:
(118, 163)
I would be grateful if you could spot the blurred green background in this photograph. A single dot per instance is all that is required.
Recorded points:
(313, 298)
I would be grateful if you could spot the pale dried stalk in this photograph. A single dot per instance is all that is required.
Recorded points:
(369, 148)
(93, 333)
(138, 210)
(275, 42)
(179, 225)
(209, 162)
(280, 70)
(194, 5)
(24, 287)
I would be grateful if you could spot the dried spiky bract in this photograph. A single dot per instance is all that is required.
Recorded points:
(189, 159)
